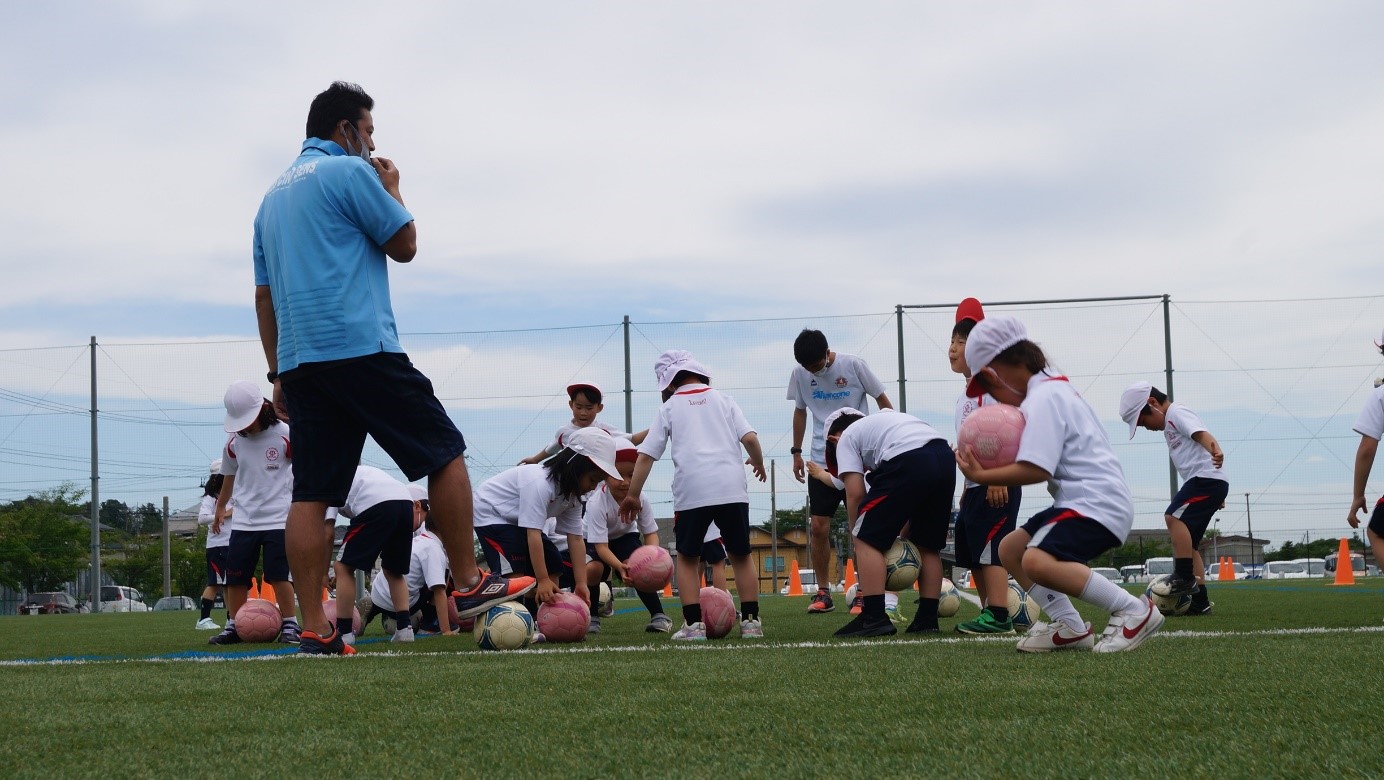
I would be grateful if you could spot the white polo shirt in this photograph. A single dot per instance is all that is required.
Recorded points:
(262, 466)
(1190, 458)
(427, 567)
(879, 437)
(705, 427)
(1371, 420)
(848, 381)
(372, 486)
(206, 515)
(964, 406)
(560, 439)
(526, 497)
(603, 521)
(1064, 437)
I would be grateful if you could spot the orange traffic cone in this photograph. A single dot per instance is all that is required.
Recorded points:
(1345, 567)
(795, 581)
(850, 574)
(254, 589)
(668, 590)
(267, 592)
(1226, 571)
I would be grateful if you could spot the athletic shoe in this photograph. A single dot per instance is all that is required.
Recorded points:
(228, 636)
(864, 626)
(1128, 630)
(538, 639)
(857, 605)
(821, 603)
(751, 629)
(608, 607)
(894, 615)
(986, 624)
(1203, 608)
(313, 643)
(1173, 585)
(491, 590)
(594, 627)
(659, 624)
(1057, 635)
(918, 628)
(693, 633)
(402, 636)
(207, 624)
(289, 634)
(349, 638)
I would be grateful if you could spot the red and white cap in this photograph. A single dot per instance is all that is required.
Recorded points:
(597, 446)
(988, 340)
(970, 309)
(575, 386)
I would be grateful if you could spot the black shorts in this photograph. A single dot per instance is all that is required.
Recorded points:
(690, 527)
(915, 489)
(383, 531)
(1195, 503)
(1068, 536)
(623, 546)
(216, 566)
(980, 527)
(506, 549)
(334, 406)
(714, 551)
(244, 552)
(1377, 518)
(823, 499)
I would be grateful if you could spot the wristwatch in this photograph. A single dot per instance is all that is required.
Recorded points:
(795, 451)
(272, 376)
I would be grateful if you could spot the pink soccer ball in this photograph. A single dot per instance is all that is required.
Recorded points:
(650, 567)
(329, 607)
(565, 618)
(258, 621)
(993, 433)
(718, 612)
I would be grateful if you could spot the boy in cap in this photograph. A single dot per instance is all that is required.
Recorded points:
(822, 382)
(706, 429)
(1370, 426)
(1064, 444)
(1198, 458)
(584, 399)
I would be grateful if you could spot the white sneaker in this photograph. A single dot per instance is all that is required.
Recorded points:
(1128, 630)
(607, 607)
(693, 633)
(349, 637)
(207, 624)
(594, 625)
(751, 629)
(403, 635)
(1057, 635)
(659, 624)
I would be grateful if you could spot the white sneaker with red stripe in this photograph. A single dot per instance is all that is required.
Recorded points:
(1128, 630)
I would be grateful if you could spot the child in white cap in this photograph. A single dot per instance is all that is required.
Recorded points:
(585, 401)
(1064, 444)
(218, 541)
(1370, 426)
(1198, 458)
(707, 430)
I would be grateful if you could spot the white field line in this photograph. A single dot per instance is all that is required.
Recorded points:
(670, 647)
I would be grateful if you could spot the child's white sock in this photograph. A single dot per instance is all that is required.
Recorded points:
(1109, 596)
(1057, 605)
(891, 600)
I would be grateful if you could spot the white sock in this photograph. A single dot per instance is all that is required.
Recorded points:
(891, 600)
(1109, 596)
(291, 621)
(1057, 605)
(230, 624)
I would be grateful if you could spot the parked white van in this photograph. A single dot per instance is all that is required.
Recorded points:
(1283, 570)
(118, 598)
(1315, 567)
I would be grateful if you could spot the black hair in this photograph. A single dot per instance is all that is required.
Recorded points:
(809, 347)
(342, 100)
(592, 394)
(267, 416)
(213, 486)
(1026, 354)
(1157, 395)
(963, 328)
(837, 426)
(567, 469)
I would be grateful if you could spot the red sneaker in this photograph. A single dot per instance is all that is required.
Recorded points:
(491, 590)
(821, 603)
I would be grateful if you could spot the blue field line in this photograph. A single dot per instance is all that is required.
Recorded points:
(185, 655)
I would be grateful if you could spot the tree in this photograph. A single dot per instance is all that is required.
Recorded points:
(115, 514)
(42, 543)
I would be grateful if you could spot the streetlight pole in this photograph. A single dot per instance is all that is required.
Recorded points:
(1249, 523)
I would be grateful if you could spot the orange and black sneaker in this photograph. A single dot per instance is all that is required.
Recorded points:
(313, 643)
(857, 605)
(821, 603)
(492, 589)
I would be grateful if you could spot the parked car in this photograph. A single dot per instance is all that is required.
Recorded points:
(809, 580)
(966, 581)
(1133, 573)
(118, 598)
(1315, 567)
(1357, 562)
(54, 603)
(173, 604)
(1110, 574)
(1156, 567)
(1283, 570)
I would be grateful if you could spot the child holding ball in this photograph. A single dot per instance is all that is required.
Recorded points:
(1064, 444)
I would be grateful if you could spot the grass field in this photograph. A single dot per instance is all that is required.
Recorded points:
(1283, 681)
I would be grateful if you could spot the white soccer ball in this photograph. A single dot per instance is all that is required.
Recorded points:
(606, 596)
(1168, 605)
(507, 626)
(949, 602)
(1023, 610)
(902, 564)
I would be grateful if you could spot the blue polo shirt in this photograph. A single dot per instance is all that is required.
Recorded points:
(319, 238)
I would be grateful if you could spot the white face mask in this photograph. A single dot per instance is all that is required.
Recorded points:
(364, 151)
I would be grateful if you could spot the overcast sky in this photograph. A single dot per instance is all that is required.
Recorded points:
(570, 163)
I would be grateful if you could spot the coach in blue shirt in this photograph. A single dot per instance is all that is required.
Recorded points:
(322, 236)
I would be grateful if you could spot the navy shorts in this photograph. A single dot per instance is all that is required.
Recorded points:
(980, 527)
(334, 406)
(383, 531)
(690, 527)
(714, 551)
(1068, 536)
(914, 489)
(506, 549)
(216, 566)
(1195, 503)
(823, 499)
(244, 553)
(1377, 518)
(624, 545)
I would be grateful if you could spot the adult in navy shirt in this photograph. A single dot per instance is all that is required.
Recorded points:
(323, 237)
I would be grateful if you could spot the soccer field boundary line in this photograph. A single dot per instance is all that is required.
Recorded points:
(200, 656)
